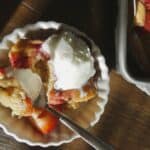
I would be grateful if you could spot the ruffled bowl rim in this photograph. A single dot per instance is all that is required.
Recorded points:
(104, 70)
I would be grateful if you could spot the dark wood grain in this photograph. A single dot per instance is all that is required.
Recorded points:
(138, 53)
(7, 143)
(126, 121)
(6, 12)
(86, 15)
(28, 11)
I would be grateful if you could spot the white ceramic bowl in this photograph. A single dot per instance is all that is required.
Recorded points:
(21, 129)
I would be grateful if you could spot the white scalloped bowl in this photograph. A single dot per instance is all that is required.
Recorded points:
(22, 130)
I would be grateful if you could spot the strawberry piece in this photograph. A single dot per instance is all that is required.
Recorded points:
(44, 120)
(29, 107)
(18, 60)
(56, 101)
(143, 14)
(55, 98)
(147, 21)
(2, 70)
(2, 73)
(146, 3)
(25, 53)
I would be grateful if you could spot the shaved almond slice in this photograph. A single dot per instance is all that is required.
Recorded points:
(140, 14)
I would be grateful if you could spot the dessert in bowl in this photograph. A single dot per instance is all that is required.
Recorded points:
(142, 16)
(51, 63)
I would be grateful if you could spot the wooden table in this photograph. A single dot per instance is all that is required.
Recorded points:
(126, 121)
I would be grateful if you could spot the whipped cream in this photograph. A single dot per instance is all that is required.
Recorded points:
(71, 60)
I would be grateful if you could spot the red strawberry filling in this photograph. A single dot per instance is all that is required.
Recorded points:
(147, 21)
(2, 72)
(25, 53)
(18, 60)
(147, 17)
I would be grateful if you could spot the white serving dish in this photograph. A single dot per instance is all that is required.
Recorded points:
(22, 131)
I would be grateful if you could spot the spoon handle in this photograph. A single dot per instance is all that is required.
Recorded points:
(85, 135)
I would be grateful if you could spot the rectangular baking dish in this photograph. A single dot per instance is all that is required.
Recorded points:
(123, 31)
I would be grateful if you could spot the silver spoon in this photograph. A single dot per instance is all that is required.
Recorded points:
(95, 142)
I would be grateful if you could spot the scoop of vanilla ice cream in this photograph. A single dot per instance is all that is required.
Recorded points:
(29, 81)
(71, 60)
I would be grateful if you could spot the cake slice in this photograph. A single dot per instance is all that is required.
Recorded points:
(142, 17)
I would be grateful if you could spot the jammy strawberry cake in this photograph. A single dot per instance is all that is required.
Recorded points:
(62, 66)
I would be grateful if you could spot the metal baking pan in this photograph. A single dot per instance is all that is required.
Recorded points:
(122, 46)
